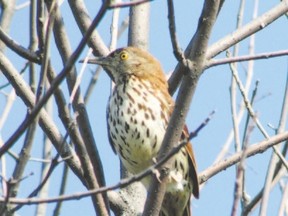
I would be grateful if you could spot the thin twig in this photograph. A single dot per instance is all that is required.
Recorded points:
(253, 115)
(114, 27)
(128, 4)
(251, 150)
(265, 55)
(179, 54)
(17, 48)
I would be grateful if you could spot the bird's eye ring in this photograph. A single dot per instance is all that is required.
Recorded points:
(124, 55)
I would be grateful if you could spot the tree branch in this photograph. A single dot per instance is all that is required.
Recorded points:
(250, 151)
(184, 98)
(266, 55)
(230, 40)
(203, 176)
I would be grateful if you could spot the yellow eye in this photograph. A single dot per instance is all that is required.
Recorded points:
(124, 55)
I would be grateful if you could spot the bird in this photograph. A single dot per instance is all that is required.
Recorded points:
(138, 112)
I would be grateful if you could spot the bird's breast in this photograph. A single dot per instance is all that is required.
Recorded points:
(136, 123)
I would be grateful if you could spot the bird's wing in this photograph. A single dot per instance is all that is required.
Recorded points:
(108, 129)
(192, 162)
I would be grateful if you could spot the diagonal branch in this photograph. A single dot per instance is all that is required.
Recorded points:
(203, 176)
(184, 98)
(230, 40)
(56, 82)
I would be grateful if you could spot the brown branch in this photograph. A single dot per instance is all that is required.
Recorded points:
(266, 55)
(184, 98)
(251, 28)
(84, 22)
(277, 175)
(128, 4)
(46, 123)
(203, 176)
(232, 39)
(17, 48)
(55, 83)
(86, 149)
(138, 32)
(172, 29)
(250, 151)
(52, 167)
(7, 12)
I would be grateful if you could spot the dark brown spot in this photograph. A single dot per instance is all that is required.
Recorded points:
(181, 166)
(176, 164)
(127, 127)
(150, 110)
(186, 176)
(135, 121)
(184, 152)
(140, 106)
(134, 162)
(146, 115)
(128, 110)
(114, 122)
(138, 135)
(123, 139)
(143, 123)
(162, 115)
(136, 90)
(155, 142)
(130, 98)
(121, 100)
(122, 155)
(153, 117)
(147, 132)
(113, 135)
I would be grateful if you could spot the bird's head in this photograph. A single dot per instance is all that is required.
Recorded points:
(131, 61)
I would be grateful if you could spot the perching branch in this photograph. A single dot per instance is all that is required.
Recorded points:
(184, 98)
(203, 176)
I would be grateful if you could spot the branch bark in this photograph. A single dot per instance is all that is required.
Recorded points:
(230, 40)
(184, 98)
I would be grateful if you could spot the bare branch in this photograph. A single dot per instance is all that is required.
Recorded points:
(7, 11)
(204, 176)
(230, 40)
(172, 29)
(17, 48)
(266, 55)
(184, 98)
(128, 4)
(55, 83)
(252, 27)
(45, 121)
(252, 113)
(252, 150)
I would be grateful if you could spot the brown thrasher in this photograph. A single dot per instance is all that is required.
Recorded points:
(138, 113)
